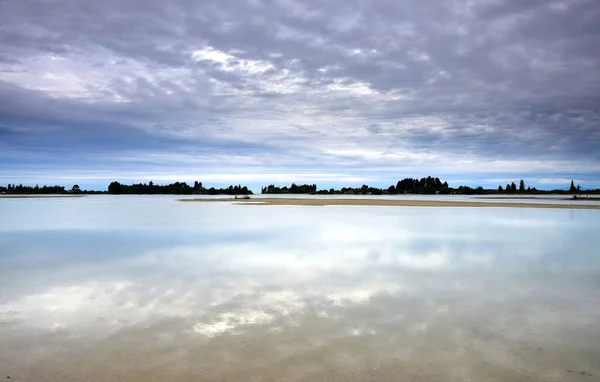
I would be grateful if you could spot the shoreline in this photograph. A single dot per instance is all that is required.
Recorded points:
(582, 199)
(386, 203)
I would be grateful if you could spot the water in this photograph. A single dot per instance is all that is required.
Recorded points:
(146, 288)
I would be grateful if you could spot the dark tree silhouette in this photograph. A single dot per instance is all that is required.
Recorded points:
(177, 188)
(293, 189)
(428, 185)
(45, 190)
(115, 188)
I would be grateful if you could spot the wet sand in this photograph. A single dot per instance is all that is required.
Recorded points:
(387, 203)
(565, 199)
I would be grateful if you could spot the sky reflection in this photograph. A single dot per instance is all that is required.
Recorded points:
(404, 275)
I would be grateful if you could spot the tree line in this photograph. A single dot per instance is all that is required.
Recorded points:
(116, 188)
(44, 190)
(408, 185)
(177, 188)
(293, 189)
(512, 188)
(426, 185)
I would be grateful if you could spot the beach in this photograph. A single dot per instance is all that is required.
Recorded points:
(389, 203)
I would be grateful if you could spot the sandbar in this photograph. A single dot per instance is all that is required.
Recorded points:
(564, 199)
(387, 203)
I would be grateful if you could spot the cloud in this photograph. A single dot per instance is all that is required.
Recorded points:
(288, 84)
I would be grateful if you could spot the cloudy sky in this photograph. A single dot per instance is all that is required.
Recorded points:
(335, 92)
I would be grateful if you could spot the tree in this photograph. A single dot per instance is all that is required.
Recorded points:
(293, 189)
(513, 187)
(500, 188)
(572, 189)
(522, 186)
(75, 189)
(507, 188)
(114, 188)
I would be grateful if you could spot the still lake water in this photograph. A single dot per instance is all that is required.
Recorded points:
(145, 288)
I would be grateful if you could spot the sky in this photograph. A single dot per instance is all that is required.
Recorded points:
(333, 92)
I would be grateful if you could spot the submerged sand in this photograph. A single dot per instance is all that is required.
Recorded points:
(388, 203)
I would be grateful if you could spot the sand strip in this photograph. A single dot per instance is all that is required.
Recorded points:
(387, 203)
(565, 199)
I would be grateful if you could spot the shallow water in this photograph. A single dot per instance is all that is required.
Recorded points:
(146, 288)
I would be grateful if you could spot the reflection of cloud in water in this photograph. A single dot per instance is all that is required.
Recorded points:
(270, 306)
(226, 288)
(227, 308)
(106, 305)
(418, 328)
(361, 332)
(356, 279)
(227, 322)
(399, 289)
(353, 296)
(262, 310)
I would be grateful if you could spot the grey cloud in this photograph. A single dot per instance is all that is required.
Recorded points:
(374, 128)
(506, 79)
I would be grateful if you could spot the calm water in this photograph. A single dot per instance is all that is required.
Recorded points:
(150, 289)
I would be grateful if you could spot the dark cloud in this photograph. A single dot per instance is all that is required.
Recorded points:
(500, 86)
